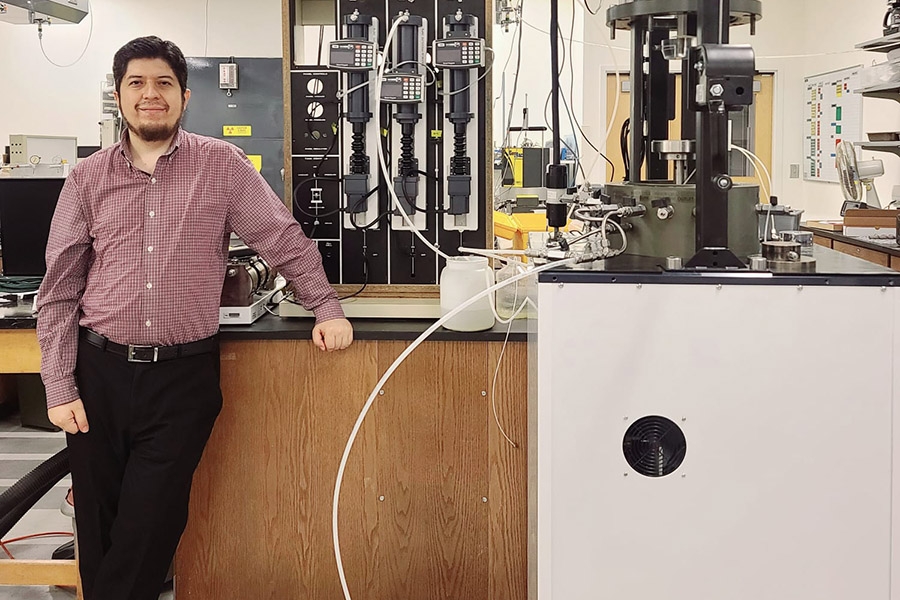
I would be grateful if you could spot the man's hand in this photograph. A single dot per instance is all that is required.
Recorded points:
(332, 335)
(70, 417)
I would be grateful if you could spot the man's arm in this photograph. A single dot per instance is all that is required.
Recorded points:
(58, 302)
(263, 222)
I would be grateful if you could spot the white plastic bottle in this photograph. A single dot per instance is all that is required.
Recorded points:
(462, 278)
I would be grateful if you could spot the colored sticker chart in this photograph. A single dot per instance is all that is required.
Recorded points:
(833, 114)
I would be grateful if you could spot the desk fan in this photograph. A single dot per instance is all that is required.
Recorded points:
(856, 175)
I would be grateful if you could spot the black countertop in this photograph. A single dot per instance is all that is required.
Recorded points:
(888, 245)
(17, 315)
(270, 327)
(832, 269)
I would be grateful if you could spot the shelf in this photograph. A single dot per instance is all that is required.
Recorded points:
(892, 147)
(882, 44)
(887, 91)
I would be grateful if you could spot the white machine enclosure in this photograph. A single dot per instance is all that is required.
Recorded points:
(786, 397)
(42, 149)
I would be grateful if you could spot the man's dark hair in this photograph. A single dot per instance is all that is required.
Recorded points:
(150, 47)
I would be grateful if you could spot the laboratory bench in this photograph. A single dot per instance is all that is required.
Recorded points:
(884, 252)
(434, 499)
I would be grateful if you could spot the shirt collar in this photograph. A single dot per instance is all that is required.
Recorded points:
(125, 147)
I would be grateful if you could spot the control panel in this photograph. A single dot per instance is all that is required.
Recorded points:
(406, 88)
(458, 53)
(353, 55)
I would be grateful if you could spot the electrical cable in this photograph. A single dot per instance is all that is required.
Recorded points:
(379, 78)
(315, 176)
(505, 66)
(86, 44)
(415, 62)
(29, 537)
(574, 117)
(341, 93)
(575, 150)
(512, 102)
(588, 8)
(753, 159)
(508, 323)
(618, 75)
(482, 76)
(297, 201)
(365, 280)
(384, 378)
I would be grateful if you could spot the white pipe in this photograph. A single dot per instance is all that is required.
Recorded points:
(384, 378)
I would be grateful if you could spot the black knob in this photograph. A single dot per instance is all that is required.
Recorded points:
(723, 182)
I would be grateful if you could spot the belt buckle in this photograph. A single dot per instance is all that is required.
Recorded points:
(143, 354)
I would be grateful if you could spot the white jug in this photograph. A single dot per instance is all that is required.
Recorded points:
(462, 278)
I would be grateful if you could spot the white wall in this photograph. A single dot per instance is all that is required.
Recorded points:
(834, 25)
(39, 98)
(789, 31)
(781, 32)
(534, 79)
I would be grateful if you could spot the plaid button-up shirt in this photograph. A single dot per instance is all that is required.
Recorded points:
(140, 258)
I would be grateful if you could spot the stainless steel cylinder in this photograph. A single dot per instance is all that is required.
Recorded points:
(674, 263)
(758, 263)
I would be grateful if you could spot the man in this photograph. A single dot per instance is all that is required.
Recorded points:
(128, 314)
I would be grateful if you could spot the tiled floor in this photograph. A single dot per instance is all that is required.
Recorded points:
(22, 449)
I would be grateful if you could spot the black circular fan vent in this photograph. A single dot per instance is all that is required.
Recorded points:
(654, 446)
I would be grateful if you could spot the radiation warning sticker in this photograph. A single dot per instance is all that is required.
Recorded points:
(256, 159)
(237, 130)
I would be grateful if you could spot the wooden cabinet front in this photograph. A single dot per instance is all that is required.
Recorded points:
(879, 258)
(433, 502)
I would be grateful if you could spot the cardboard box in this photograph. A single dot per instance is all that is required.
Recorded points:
(871, 217)
(837, 225)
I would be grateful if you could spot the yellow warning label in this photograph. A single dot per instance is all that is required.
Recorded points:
(437, 134)
(256, 159)
(237, 130)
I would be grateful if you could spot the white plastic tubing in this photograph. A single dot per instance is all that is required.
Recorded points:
(384, 378)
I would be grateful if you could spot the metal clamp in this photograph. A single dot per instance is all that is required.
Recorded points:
(143, 354)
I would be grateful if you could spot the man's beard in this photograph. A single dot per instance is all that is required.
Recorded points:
(155, 132)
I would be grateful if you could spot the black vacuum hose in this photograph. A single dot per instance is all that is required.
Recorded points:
(18, 500)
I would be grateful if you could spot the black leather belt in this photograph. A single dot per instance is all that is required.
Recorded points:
(149, 354)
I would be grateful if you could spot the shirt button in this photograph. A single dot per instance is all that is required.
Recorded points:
(149, 285)
(152, 214)
(147, 323)
(149, 248)
(153, 180)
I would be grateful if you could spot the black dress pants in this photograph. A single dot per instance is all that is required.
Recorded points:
(132, 471)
